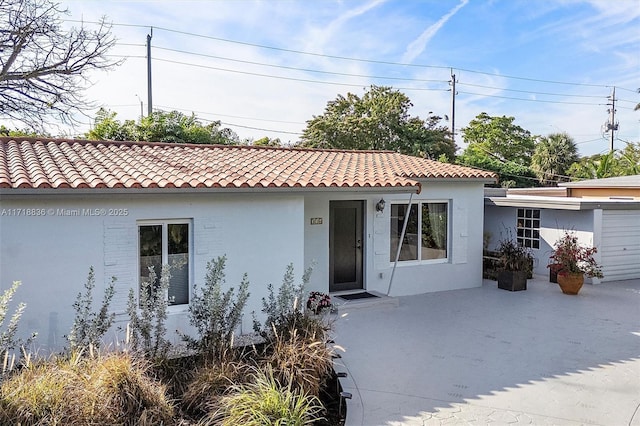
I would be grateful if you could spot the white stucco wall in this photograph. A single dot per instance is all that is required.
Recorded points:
(498, 220)
(462, 269)
(260, 235)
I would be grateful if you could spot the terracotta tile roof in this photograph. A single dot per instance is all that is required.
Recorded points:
(35, 163)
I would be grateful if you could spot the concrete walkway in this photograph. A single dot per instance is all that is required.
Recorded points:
(490, 356)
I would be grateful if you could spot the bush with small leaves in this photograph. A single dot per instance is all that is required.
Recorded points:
(8, 341)
(147, 329)
(281, 307)
(89, 327)
(216, 314)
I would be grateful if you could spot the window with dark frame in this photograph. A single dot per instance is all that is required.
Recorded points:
(166, 243)
(528, 228)
(426, 236)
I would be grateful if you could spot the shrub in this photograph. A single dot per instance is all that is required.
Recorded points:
(212, 380)
(216, 314)
(301, 357)
(280, 308)
(8, 341)
(88, 326)
(114, 389)
(147, 330)
(266, 401)
(515, 257)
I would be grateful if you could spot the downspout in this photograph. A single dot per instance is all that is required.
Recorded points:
(404, 229)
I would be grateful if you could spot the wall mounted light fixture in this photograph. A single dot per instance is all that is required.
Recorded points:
(380, 205)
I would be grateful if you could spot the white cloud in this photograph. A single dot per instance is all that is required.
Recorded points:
(416, 47)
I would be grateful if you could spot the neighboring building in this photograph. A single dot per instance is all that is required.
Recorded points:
(604, 213)
(66, 205)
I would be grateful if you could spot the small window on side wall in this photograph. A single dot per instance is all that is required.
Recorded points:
(528, 228)
(166, 243)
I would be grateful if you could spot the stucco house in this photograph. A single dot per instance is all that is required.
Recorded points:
(66, 205)
(605, 213)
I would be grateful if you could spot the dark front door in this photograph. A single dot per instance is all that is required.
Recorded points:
(345, 245)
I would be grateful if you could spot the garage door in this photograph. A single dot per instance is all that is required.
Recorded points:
(620, 244)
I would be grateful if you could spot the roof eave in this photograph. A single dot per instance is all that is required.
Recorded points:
(562, 203)
(21, 192)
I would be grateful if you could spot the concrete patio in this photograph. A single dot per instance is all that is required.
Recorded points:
(490, 356)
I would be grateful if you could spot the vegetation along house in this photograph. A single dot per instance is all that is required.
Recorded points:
(120, 207)
(604, 213)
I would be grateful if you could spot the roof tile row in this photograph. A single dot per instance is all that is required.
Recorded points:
(35, 163)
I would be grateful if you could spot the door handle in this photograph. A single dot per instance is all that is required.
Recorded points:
(358, 244)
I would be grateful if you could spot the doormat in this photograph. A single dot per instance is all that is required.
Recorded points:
(354, 296)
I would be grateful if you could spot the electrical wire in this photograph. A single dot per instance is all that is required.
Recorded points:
(304, 80)
(300, 69)
(345, 58)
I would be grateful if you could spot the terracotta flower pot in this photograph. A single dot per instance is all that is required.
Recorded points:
(570, 283)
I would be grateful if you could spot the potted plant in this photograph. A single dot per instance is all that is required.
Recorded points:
(516, 265)
(574, 261)
(319, 302)
(554, 268)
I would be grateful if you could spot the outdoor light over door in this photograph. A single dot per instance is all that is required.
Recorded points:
(380, 205)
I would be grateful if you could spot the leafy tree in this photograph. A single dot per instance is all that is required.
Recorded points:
(499, 138)
(630, 159)
(612, 164)
(160, 126)
(14, 133)
(552, 157)
(107, 127)
(43, 67)
(268, 142)
(379, 120)
(510, 174)
(499, 145)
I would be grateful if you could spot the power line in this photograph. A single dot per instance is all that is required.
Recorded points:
(300, 69)
(304, 80)
(531, 92)
(531, 100)
(361, 60)
(230, 116)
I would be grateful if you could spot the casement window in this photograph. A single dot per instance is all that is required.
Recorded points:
(528, 228)
(426, 236)
(166, 243)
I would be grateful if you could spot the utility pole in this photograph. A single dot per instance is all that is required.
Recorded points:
(149, 102)
(611, 125)
(452, 82)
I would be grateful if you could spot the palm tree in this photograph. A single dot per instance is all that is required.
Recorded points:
(552, 157)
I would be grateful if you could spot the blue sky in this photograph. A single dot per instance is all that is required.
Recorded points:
(266, 67)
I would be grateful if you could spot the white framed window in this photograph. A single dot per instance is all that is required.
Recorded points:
(166, 243)
(427, 233)
(528, 228)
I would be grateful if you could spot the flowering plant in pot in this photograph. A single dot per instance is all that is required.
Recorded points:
(575, 261)
(516, 265)
(319, 302)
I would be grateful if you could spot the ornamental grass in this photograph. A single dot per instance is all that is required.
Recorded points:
(113, 389)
